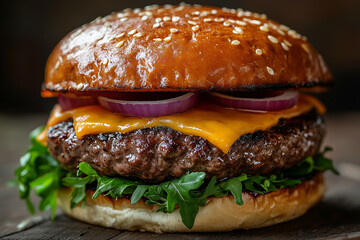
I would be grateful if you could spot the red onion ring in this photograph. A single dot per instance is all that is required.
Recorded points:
(70, 102)
(150, 108)
(279, 102)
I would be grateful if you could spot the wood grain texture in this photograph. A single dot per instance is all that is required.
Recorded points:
(337, 216)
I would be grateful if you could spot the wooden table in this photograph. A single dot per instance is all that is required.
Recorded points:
(337, 216)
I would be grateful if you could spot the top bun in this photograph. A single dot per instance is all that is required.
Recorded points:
(183, 48)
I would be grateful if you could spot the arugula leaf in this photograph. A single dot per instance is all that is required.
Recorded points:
(87, 169)
(322, 163)
(304, 167)
(138, 193)
(234, 185)
(178, 192)
(38, 171)
(155, 195)
(212, 189)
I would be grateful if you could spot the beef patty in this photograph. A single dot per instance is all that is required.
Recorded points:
(160, 153)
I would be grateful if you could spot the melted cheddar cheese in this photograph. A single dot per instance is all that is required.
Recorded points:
(220, 126)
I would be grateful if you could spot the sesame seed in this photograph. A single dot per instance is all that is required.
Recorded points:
(240, 10)
(173, 30)
(219, 19)
(175, 19)
(156, 25)
(138, 35)
(166, 19)
(270, 70)
(57, 64)
(107, 24)
(97, 20)
(179, 8)
(195, 28)
(273, 39)
(144, 18)
(105, 61)
(287, 43)
(132, 32)
(280, 31)
(195, 18)
(150, 7)
(123, 19)
(120, 35)
(204, 13)
(284, 46)
(256, 22)
(273, 26)
(256, 15)
(285, 28)
(157, 39)
(263, 16)
(207, 19)
(258, 51)
(226, 23)
(137, 10)
(241, 23)
(247, 13)
(264, 28)
(167, 39)
(147, 13)
(294, 34)
(225, 9)
(235, 42)
(305, 47)
(231, 20)
(195, 13)
(119, 44)
(238, 29)
(157, 20)
(192, 23)
(79, 86)
(77, 33)
(213, 11)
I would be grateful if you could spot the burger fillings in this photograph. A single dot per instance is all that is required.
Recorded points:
(169, 116)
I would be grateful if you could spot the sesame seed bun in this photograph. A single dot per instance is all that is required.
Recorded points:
(183, 48)
(219, 214)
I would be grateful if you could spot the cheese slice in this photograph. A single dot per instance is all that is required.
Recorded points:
(219, 125)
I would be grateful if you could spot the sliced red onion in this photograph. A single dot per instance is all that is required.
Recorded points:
(70, 102)
(279, 102)
(150, 108)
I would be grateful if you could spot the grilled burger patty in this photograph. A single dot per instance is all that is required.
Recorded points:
(160, 153)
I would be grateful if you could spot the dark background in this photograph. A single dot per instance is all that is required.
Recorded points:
(31, 29)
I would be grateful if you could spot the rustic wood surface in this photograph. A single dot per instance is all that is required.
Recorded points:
(337, 216)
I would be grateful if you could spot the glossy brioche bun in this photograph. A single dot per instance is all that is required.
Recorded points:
(219, 214)
(183, 48)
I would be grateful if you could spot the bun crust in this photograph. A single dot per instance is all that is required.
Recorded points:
(183, 48)
(219, 214)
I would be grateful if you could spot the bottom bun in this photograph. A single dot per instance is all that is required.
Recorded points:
(219, 214)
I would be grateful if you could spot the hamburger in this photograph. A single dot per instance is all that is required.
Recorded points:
(180, 118)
